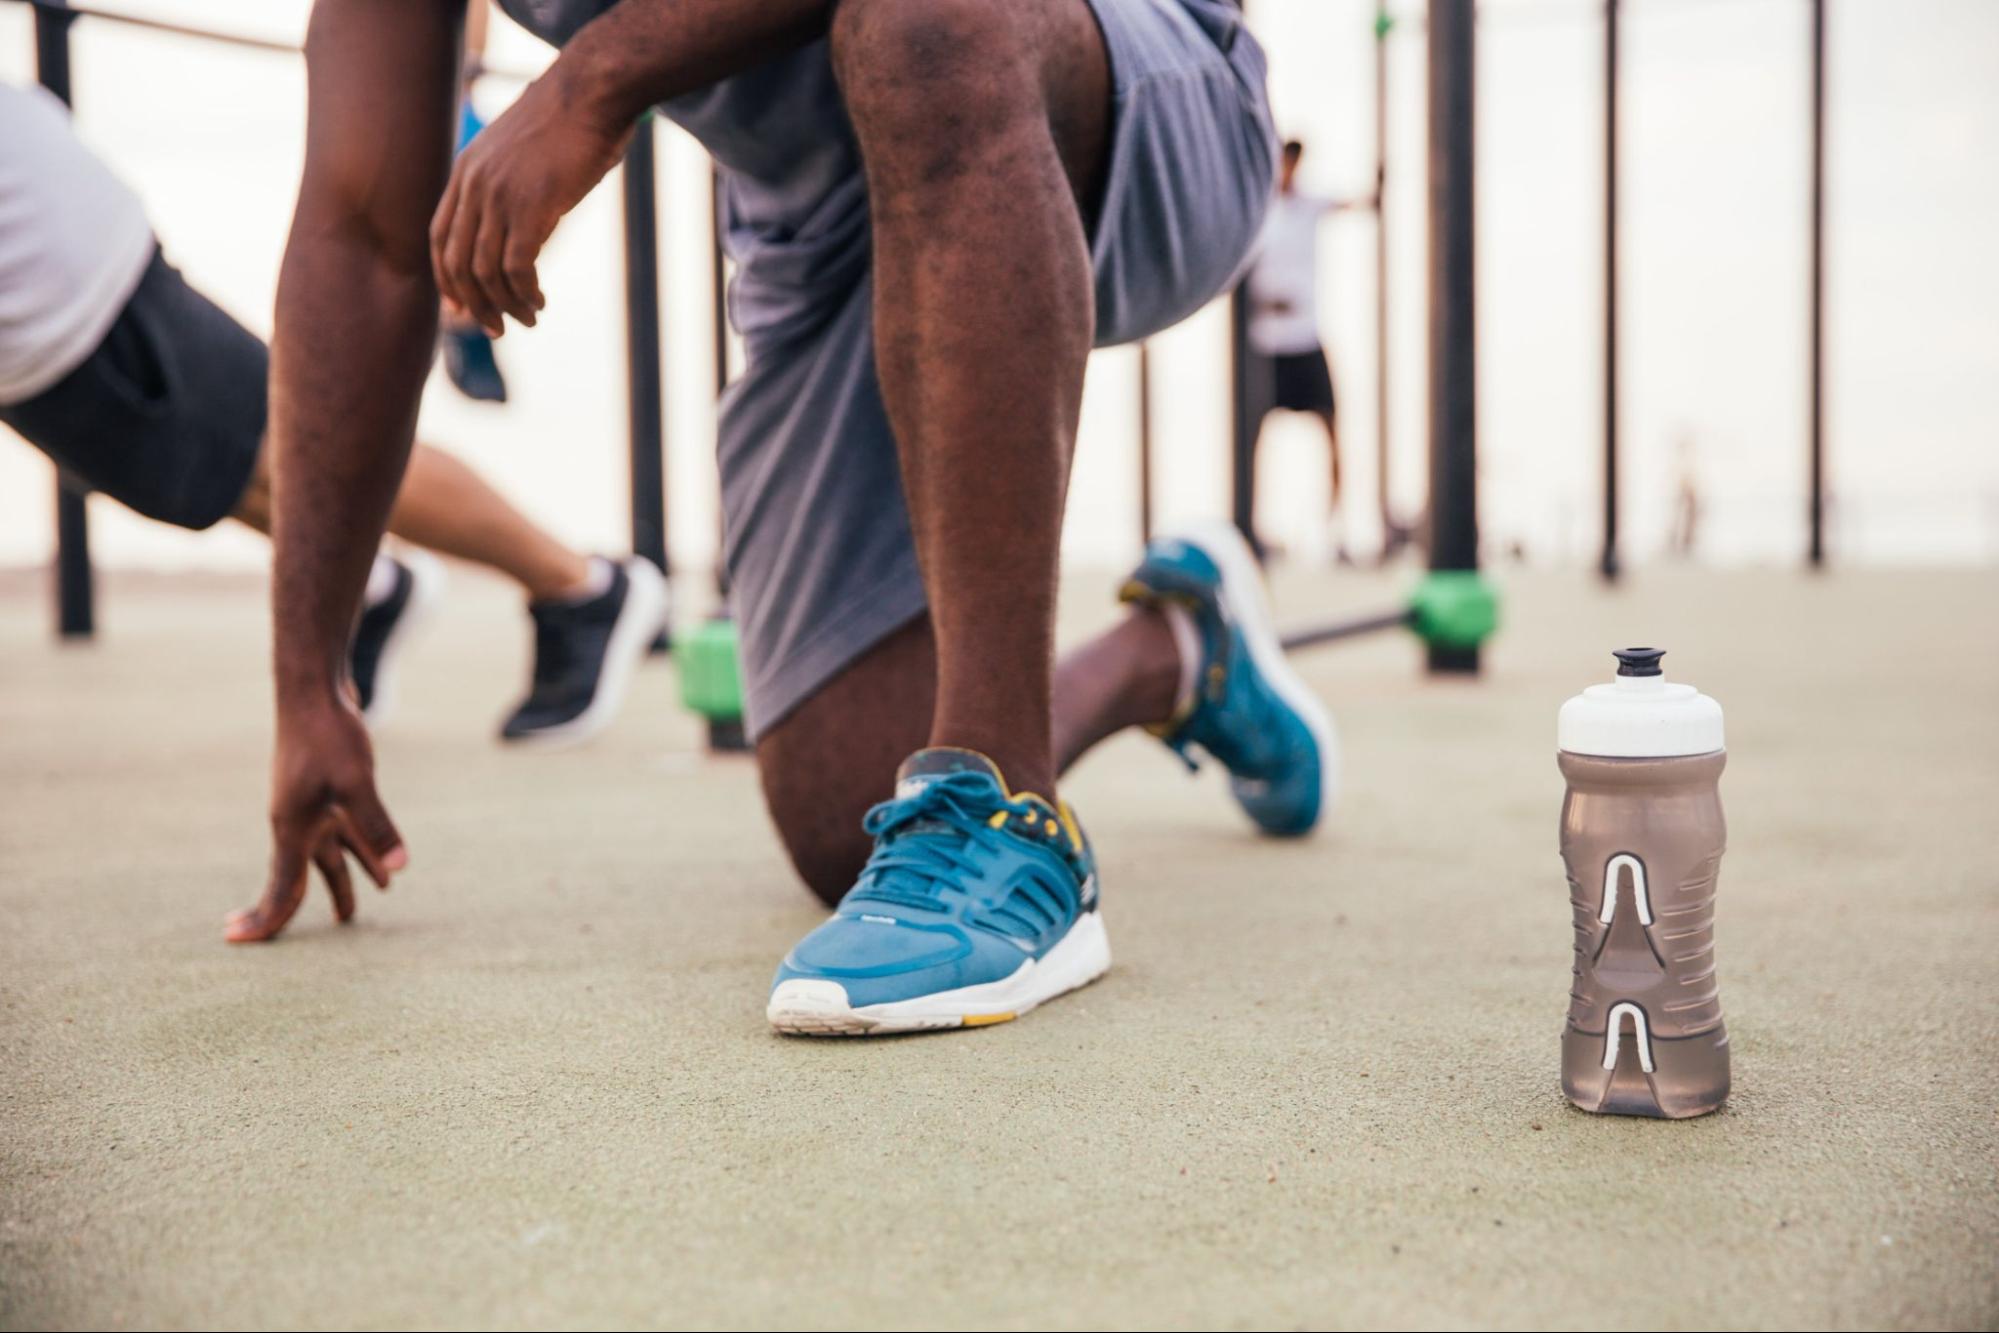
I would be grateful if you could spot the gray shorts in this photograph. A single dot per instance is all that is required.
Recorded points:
(816, 536)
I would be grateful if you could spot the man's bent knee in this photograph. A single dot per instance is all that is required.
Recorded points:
(827, 849)
(931, 71)
(825, 764)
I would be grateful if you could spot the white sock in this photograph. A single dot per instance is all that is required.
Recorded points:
(1187, 639)
(381, 581)
(594, 585)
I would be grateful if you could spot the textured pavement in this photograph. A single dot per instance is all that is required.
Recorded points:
(1319, 1087)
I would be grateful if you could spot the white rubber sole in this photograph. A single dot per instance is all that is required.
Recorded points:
(820, 1009)
(640, 620)
(426, 590)
(1242, 593)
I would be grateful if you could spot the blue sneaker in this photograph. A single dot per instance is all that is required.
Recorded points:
(977, 905)
(1249, 710)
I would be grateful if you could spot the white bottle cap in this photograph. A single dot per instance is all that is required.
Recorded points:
(1639, 714)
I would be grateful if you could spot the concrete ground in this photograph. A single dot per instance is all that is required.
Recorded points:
(533, 1084)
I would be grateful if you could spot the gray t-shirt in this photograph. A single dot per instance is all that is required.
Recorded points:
(74, 242)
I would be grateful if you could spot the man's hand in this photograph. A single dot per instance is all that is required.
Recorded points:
(323, 806)
(508, 189)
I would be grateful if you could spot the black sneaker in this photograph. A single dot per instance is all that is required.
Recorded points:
(584, 653)
(384, 628)
(470, 364)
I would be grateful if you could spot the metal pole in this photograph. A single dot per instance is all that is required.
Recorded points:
(719, 277)
(1145, 442)
(76, 616)
(1246, 370)
(1453, 384)
(1817, 552)
(1346, 629)
(642, 346)
(1609, 565)
(1392, 535)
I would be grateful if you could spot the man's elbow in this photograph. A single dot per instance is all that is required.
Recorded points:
(391, 246)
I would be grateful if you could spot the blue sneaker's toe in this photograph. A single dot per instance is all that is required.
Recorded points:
(858, 946)
(977, 906)
(1286, 806)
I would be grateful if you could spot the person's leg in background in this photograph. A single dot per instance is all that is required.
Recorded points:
(166, 415)
(593, 618)
(1331, 424)
(1325, 409)
(448, 508)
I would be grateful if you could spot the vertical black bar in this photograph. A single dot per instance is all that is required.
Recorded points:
(75, 591)
(1251, 390)
(1391, 532)
(1246, 372)
(1144, 442)
(1817, 552)
(718, 279)
(1453, 384)
(1609, 564)
(642, 345)
(76, 612)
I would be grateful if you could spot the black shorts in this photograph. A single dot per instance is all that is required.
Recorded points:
(167, 415)
(1303, 382)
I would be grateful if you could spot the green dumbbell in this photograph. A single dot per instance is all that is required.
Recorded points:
(711, 681)
(1454, 608)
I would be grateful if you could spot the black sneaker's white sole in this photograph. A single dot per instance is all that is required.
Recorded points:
(426, 590)
(639, 622)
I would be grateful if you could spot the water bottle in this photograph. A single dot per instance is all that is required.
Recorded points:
(1642, 838)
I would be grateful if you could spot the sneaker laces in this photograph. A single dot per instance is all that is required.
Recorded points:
(924, 841)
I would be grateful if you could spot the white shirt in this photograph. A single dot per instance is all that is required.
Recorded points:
(1286, 274)
(74, 242)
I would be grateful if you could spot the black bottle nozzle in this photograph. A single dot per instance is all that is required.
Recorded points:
(1638, 661)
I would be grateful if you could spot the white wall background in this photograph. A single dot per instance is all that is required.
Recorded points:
(1715, 210)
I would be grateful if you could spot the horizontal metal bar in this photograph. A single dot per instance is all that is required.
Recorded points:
(1310, 635)
(243, 39)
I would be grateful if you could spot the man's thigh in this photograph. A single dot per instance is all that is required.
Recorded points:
(815, 531)
(1191, 162)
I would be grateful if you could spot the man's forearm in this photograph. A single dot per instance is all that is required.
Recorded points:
(353, 345)
(642, 52)
(356, 314)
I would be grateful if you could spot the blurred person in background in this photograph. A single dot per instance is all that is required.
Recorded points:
(1685, 534)
(936, 208)
(1284, 314)
(135, 384)
(469, 360)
